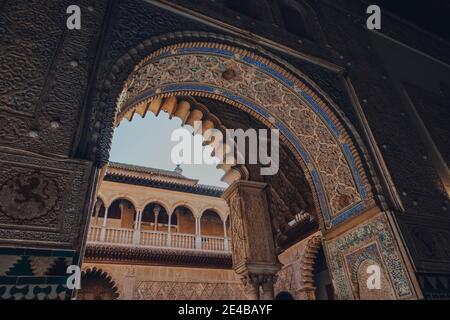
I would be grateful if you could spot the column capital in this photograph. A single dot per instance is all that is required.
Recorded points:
(253, 281)
(98, 205)
(257, 268)
(246, 184)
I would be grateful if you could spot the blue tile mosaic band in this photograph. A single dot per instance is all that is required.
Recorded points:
(351, 161)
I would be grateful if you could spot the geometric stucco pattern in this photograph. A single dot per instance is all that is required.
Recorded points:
(274, 96)
(177, 290)
(42, 198)
(371, 243)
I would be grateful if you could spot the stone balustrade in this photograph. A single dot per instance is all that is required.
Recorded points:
(157, 239)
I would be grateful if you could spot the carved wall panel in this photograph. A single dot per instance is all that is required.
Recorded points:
(42, 200)
(45, 72)
(251, 233)
(429, 242)
(297, 269)
(237, 228)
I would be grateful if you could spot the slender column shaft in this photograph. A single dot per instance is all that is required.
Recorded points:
(105, 217)
(137, 227)
(225, 237)
(198, 237)
(225, 228)
(103, 230)
(136, 218)
(97, 209)
(140, 221)
(169, 231)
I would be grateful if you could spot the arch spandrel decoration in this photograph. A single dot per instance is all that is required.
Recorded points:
(275, 97)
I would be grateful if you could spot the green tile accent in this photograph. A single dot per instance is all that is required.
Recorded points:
(8, 280)
(63, 253)
(12, 251)
(56, 280)
(31, 280)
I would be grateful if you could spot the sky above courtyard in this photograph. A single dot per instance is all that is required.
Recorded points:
(146, 142)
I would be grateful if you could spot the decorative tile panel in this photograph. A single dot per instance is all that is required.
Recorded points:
(350, 254)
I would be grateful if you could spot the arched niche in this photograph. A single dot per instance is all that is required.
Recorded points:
(121, 213)
(185, 218)
(211, 223)
(99, 208)
(155, 217)
(97, 285)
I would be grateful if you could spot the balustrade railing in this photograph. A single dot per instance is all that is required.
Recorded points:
(213, 243)
(182, 240)
(150, 238)
(94, 234)
(153, 238)
(118, 235)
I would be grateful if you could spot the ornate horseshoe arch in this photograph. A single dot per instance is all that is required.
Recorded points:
(272, 95)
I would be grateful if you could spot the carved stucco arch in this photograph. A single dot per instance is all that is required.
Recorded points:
(101, 198)
(273, 96)
(223, 215)
(307, 262)
(156, 201)
(188, 110)
(101, 276)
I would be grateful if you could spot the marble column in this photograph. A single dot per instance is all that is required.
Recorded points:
(137, 227)
(225, 236)
(198, 235)
(97, 208)
(105, 219)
